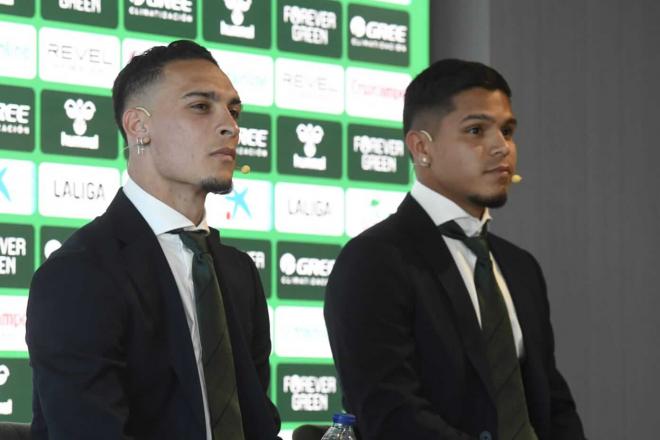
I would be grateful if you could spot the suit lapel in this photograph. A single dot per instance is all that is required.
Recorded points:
(146, 265)
(429, 242)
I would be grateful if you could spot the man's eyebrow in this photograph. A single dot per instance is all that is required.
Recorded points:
(484, 117)
(209, 95)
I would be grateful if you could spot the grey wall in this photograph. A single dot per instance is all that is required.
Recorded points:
(585, 79)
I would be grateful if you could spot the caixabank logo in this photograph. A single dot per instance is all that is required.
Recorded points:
(304, 268)
(164, 17)
(77, 124)
(308, 147)
(15, 390)
(307, 393)
(91, 12)
(16, 187)
(246, 207)
(254, 144)
(242, 22)
(309, 26)
(23, 8)
(16, 255)
(260, 252)
(378, 35)
(377, 154)
(16, 118)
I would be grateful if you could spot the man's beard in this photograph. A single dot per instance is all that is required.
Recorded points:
(217, 186)
(496, 201)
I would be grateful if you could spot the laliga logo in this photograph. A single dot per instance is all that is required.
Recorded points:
(310, 135)
(80, 112)
(238, 7)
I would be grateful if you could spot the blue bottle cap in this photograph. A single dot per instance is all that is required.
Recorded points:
(344, 419)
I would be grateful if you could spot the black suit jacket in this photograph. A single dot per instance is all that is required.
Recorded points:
(407, 343)
(110, 347)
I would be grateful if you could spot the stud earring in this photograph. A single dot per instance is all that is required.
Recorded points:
(424, 161)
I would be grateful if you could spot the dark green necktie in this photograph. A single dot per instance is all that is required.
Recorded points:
(512, 417)
(224, 409)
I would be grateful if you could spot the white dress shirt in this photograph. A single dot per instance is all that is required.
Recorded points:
(162, 219)
(442, 210)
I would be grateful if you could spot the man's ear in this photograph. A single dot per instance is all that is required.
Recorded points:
(134, 122)
(417, 143)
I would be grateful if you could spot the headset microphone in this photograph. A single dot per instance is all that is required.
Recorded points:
(245, 169)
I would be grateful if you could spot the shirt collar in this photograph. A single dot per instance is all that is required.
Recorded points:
(160, 217)
(441, 210)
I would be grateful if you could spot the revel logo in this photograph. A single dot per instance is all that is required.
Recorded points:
(310, 135)
(80, 112)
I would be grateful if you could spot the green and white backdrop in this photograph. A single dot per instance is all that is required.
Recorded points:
(322, 82)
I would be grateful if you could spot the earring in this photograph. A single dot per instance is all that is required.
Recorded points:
(424, 161)
(141, 144)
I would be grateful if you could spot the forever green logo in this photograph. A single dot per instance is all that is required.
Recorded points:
(307, 392)
(93, 12)
(376, 154)
(16, 255)
(309, 26)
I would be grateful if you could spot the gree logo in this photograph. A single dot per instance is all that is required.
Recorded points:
(80, 112)
(238, 9)
(376, 30)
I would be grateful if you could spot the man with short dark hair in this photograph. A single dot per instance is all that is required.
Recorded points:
(143, 325)
(440, 330)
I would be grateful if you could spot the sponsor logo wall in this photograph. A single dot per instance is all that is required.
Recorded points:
(322, 85)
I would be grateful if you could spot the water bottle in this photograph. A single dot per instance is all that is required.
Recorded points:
(342, 428)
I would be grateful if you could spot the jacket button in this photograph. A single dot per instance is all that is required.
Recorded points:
(485, 435)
